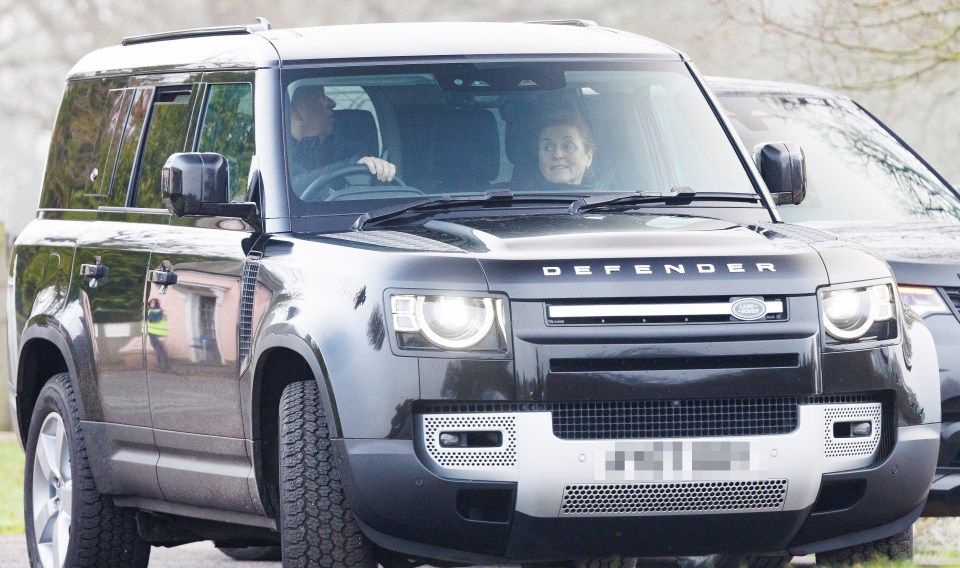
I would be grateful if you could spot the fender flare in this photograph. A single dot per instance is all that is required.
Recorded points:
(310, 352)
(51, 332)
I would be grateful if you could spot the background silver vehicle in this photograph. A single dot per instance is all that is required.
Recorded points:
(865, 183)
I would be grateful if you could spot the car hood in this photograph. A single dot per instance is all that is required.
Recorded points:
(919, 253)
(626, 255)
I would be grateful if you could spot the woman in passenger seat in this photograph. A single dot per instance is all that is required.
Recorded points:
(564, 148)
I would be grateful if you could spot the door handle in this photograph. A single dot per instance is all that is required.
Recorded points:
(95, 271)
(163, 277)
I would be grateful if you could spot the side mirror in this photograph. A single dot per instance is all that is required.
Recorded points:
(195, 183)
(783, 169)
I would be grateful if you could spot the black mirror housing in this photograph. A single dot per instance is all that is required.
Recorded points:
(195, 183)
(190, 180)
(783, 168)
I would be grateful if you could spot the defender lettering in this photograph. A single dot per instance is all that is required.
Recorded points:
(647, 269)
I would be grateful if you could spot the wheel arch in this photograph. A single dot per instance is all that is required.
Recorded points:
(44, 353)
(281, 360)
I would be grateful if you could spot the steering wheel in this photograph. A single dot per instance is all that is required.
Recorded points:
(323, 180)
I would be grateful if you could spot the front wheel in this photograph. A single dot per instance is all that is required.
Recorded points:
(317, 525)
(896, 547)
(68, 522)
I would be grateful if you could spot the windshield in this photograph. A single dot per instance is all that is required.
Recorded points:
(856, 171)
(582, 128)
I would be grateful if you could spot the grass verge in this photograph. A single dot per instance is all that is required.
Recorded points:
(11, 487)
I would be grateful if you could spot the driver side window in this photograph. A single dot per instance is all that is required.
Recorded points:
(227, 129)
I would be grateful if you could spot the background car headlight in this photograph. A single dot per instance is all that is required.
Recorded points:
(859, 313)
(922, 300)
(447, 322)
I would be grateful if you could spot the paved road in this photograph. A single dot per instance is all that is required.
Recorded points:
(13, 554)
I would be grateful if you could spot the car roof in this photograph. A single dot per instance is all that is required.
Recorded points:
(729, 86)
(258, 46)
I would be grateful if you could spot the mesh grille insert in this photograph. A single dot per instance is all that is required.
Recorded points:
(480, 458)
(684, 497)
(675, 419)
(846, 447)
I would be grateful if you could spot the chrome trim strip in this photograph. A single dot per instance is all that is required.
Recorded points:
(651, 310)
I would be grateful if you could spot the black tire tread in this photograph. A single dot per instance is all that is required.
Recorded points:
(104, 535)
(896, 547)
(318, 529)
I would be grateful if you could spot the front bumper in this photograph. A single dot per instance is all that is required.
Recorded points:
(535, 495)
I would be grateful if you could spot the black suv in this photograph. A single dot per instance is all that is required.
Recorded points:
(868, 185)
(458, 293)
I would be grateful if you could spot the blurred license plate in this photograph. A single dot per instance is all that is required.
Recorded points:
(673, 460)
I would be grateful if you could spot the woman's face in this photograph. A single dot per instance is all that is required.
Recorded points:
(564, 156)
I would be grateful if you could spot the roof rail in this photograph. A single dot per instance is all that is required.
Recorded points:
(261, 24)
(573, 22)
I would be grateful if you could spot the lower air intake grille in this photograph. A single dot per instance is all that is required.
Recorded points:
(675, 418)
(848, 447)
(684, 497)
(478, 458)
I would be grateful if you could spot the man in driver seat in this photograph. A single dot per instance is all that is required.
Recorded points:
(315, 143)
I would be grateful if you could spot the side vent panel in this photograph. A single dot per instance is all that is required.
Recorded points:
(248, 286)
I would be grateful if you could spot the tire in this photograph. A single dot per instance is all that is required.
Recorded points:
(318, 528)
(896, 547)
(78, 527)
(253, 553)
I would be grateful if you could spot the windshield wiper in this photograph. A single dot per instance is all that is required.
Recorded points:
(678, 195)
(451, 202)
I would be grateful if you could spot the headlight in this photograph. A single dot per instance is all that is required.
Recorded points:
(860, 313)
(448, 322)
(923, 301)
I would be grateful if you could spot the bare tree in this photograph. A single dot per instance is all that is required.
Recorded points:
(867, 44)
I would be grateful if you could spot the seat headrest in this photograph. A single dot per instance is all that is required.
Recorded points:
(357, 130)
(468, 148)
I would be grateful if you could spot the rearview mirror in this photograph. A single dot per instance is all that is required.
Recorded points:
(783, 169)
(195, 183)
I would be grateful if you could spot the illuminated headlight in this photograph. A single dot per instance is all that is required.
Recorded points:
(924, 301)
(454, 323)
(862, 313)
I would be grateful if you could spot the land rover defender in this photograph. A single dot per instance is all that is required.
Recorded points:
(530, 302)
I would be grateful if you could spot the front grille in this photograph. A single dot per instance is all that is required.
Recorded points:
(675, 418)
(690, 418)
(681, 310)
(625, 364)
(682, 497)
(954, 295)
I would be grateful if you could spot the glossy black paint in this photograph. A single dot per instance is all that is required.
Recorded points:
(186, 425)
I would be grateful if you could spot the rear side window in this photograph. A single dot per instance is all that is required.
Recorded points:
(129, 145)
(73, 151)
(227, 129)
(166, 134)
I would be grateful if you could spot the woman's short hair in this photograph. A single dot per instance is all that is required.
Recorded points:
(566, 117)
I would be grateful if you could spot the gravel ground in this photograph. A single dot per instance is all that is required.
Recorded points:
(936, 543)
